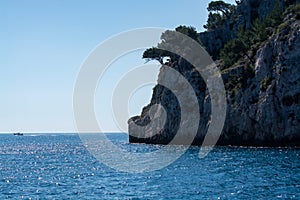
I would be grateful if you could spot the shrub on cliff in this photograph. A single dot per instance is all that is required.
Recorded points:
(260, 30)
(168, 38)
(219, 12)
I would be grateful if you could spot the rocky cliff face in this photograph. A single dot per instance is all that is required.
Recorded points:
(263, 103)
(243, 16)
(267, 110)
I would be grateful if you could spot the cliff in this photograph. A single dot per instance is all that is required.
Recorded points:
(262, 87)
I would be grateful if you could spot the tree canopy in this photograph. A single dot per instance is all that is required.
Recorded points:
(220, 6)
(219, 11)
(169, 38)
(246, 40)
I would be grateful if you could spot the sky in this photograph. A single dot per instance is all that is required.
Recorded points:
(44, 43)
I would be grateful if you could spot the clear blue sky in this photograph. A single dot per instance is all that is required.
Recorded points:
(43, 44)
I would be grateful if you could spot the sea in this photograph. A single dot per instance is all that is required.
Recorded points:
(58, 166)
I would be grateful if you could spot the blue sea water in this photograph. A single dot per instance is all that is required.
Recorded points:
(57, 166)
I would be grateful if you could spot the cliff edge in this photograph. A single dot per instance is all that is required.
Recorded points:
(262, 82)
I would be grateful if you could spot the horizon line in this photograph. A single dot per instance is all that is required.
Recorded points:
(58, 132)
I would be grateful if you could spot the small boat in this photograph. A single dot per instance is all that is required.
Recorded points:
(18, 134)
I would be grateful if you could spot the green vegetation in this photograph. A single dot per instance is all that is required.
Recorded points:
(283, 26)
(239, 50)
(235, 49)
(264, 84)
(215, 20)
(220, 6)
(169, 38)
(219, 11)
(294, 8)
(245, 40)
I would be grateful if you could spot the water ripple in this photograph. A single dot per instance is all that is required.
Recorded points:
(59, 167)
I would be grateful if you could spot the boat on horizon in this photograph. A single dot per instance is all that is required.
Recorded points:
(18, 134)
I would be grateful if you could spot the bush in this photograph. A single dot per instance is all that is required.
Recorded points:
(264, 84)
(219, 11)
(259, 32)
(235, 49)
(169, 38)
